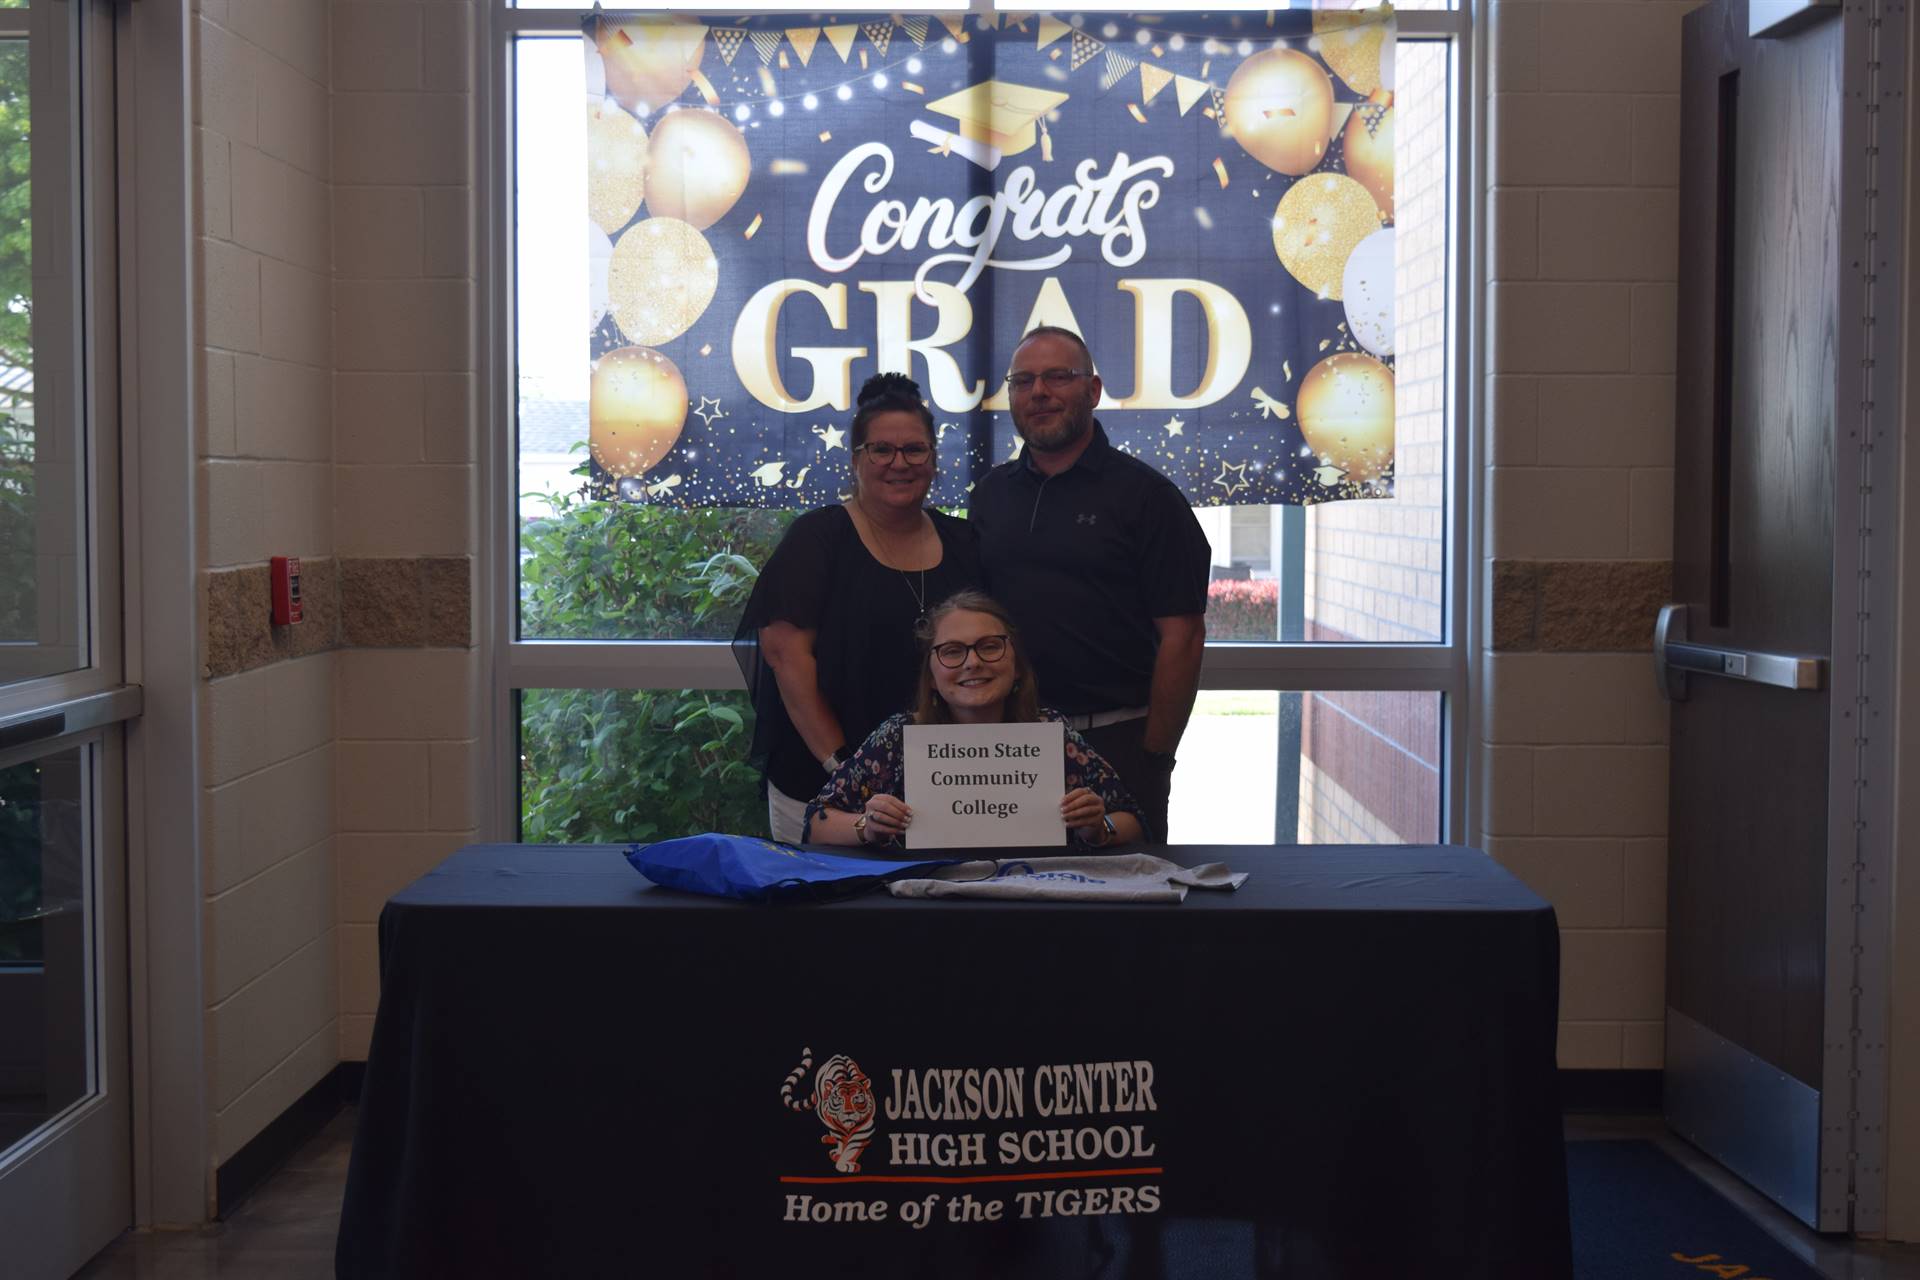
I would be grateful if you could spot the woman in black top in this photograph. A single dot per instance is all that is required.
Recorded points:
(826, 642)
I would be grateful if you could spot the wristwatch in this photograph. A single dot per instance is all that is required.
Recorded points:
(1106, 820)
(835, 758)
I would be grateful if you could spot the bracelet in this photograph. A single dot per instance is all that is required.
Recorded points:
(860, 826)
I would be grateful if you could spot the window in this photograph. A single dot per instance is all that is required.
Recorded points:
(1336, 666)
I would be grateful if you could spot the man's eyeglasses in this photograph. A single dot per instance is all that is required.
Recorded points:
(953, 653)
(1056, 379)
(883, 453)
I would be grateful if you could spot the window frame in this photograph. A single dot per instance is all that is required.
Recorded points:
(513, 664)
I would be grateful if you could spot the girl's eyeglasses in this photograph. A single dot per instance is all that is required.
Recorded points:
(953, 653)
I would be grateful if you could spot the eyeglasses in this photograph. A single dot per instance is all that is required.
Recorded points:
(953, 653)
(883, 453)
(1056, 379)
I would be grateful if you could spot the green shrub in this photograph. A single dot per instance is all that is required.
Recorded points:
(613, 765)
(604, 766)
(19, 586)
(606, 570)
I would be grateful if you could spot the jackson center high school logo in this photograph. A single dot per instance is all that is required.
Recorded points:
(1000, 1143)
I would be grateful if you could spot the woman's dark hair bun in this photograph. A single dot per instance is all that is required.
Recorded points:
(888, 384)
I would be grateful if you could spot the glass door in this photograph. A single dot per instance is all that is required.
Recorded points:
(65, 1113)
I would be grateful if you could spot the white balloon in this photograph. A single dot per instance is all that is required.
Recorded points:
(599, 262)
(597, 77)
(1386, 65)
(1367, 289)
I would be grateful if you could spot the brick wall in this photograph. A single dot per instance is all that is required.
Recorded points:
(1376, 570)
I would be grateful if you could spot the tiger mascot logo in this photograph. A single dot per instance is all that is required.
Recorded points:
(843, 1099)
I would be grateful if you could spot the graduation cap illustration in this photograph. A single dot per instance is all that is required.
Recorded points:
(996, 119)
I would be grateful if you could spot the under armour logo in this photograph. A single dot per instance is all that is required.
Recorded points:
(1083, 519)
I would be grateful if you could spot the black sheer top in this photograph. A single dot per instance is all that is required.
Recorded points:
(822, 578)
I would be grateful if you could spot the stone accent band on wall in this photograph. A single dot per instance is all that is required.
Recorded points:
(1578, 606)
(412, 602)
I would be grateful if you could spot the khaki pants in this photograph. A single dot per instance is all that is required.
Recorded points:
(1148, 779)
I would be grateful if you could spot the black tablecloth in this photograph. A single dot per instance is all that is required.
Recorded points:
(1344, 1069)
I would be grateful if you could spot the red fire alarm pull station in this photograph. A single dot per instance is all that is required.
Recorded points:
(286, 590)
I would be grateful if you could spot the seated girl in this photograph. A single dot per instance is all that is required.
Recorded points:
(971, 672)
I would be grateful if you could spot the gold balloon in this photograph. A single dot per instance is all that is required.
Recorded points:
(638, 405)
(1280, 109)
(650, 61)
(661, 279)
(1368, 149)
(616, 166)
(1351, 45)
(700, 165)
(1346, 414)
(1317, 225)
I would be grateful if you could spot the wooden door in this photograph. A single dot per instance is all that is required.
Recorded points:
(1760, 341)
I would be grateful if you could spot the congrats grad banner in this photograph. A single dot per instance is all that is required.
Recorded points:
(779, 211)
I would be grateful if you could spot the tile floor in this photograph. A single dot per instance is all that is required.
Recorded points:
(285, 1230)
(1833, 1257)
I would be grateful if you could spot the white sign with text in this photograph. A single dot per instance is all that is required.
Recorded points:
(977, 786)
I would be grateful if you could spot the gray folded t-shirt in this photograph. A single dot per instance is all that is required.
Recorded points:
(1120, 877)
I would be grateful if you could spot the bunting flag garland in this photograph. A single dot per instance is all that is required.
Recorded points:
(1084, 48)
(1188, 91)
(1118, 65)
(956, 24)
(1051, 29)
(728, 39)
(881, 34)
(841, 38)
(1152, 80)
(916, 27)
(803, 39)
(767, 43)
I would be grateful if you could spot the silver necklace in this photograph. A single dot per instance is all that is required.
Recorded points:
(920, 596)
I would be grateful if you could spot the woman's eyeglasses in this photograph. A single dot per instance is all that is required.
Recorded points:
(1056, 380)
(953, 653)
(883, 453)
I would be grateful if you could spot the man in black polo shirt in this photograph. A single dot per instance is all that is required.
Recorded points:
(1103, 565)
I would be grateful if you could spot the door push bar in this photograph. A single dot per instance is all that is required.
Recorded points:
(1674, 660)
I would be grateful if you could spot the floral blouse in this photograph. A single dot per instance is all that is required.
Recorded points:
(878, 768)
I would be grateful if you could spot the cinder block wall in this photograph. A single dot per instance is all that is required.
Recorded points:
(1583, 208)
(334, 151)
(265, 488)
(404, 477)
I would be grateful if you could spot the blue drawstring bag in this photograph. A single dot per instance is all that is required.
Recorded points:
(761, 871)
